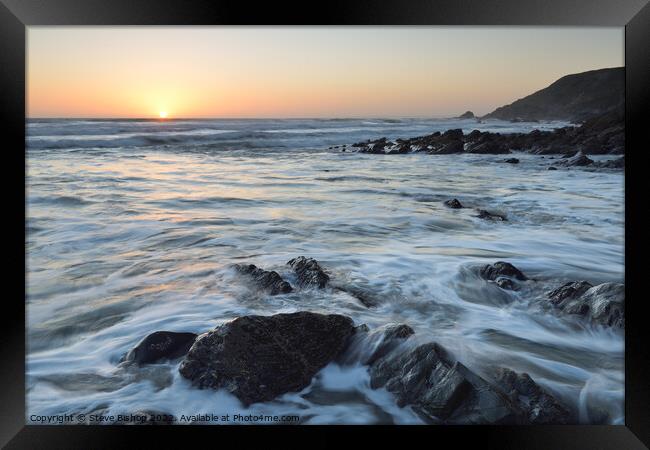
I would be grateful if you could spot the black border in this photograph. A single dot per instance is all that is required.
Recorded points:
(15, 15)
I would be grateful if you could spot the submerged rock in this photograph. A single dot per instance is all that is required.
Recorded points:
(539, 406)
(499, 269)
(614, 163)
(367, 298)
(440, 389)
(505, 283)
(367, 346)
(160, 345)
(453, 203)
(389, 339)
(257, 358)
(487, 215)
(579, 160)
(552, 168)
(512, 161)
(309, 272)
(269, 281)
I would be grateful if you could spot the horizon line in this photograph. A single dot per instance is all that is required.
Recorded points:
(168, 119)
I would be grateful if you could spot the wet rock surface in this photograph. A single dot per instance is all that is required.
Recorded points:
(388, 339)
(309, 272)
(442, 390)
(569, 291)
(160, 345)
(538, 406)
(269, 281)
(257, 358)
(603, 304)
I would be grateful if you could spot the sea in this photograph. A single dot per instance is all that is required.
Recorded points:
(132, 227)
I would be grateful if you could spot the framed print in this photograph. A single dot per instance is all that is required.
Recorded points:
(407, 220)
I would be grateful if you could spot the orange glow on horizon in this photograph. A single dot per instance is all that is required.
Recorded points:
(257, 72)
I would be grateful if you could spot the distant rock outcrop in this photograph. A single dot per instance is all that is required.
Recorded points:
(467, 115)
(575, 98)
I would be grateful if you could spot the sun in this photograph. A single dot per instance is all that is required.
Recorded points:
(163, 114)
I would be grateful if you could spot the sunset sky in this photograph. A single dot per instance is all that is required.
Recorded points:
(301, 71)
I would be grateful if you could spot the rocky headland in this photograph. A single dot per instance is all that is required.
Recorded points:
(593, 101)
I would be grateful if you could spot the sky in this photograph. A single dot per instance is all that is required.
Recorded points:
(284, 72)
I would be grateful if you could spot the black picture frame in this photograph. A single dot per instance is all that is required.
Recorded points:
(634, 15)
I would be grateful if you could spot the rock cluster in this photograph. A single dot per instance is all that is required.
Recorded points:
(442, 390)
(600, 135)
(258, 358)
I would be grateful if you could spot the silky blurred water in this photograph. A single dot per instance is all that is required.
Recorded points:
(131, 226)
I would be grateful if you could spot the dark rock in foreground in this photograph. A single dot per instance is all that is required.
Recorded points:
(487, 215)
(441, 390)
(539, 406)
(512, 161)
(453, 203)
(269, 281)
(257, 358)
(161, 345)
(494, 272)
(552, 168)
(603, 304)
(309, 272)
